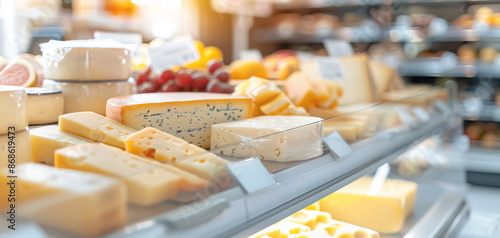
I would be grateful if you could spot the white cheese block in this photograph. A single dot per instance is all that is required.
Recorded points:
(14, 109)
(185, 115)
(46, 140)
(44, 105)
(86, 60)
(87, 204)
(15, 145)
(274, 138)
(89, 96)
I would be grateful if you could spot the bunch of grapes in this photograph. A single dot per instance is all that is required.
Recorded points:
(214, 80)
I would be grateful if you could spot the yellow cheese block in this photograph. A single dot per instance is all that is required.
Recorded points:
(300, 91)
(315, 207)
(15, 148)
(148, 182)
(262, 92)
(338, 229)
(293, 110)
(334, 92)
(276, 106)
(166, 148)
(187, 115)
(46, 140)
(310, 218)
(289, 228)
(348, 132)
(83, 203)
(95, 127)
(382, 75)
(384, 212)
(321, 91)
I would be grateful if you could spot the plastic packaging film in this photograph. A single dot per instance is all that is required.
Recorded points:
(84, 60)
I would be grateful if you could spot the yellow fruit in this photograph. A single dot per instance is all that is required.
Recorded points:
(211, 52)
(199, 46)
(244, 69)
(198, 64)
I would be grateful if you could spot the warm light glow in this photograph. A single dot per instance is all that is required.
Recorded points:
(140, 2)
(164, 29)
(172, 5)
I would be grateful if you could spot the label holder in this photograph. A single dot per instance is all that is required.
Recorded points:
(337, 145)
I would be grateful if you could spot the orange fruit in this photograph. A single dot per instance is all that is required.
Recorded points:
(211, 52)
(19, 72)
(244, 69)
(199, 46)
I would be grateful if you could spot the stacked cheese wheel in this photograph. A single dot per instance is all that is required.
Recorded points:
(88, 72)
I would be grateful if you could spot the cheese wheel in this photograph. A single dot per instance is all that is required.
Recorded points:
(90, 96)
(84, 60)
(44, 105)
(13, 105)
(17, 145)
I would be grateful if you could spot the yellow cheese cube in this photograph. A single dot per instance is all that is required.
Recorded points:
(166, 148)
(384, 212)
(321, 90)
(46, 140)
(83, 203)
(148, 182)
(95, 127)
(276, 106)
(300, 91)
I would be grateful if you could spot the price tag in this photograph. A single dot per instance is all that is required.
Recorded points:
(405, 115)
(127, 38)
(251, 174)
(338, 48)
(173, 53)
(421, 114)
(337, 144)
(252, 54)
(330, 68)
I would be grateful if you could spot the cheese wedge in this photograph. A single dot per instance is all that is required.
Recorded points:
(46, 140)
(82, 203)
(148, 182)
(382, 75)
(185, 115)
(276, 106)
(95, 127)
(163, 147)
(384, 212)
(300, 90)
(334, 91)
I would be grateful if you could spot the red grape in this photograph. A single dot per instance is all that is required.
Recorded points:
(183, 80)
(166, 76)
(222, 75)
(213, 65)
(200, 80)
(141, 79)
(228, 89)
(170, 87)
(146, 87)
(214, 86)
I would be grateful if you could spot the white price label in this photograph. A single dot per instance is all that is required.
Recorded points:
(330, 68)
(338, 48)
(405, 115)
(421, 114)
(127, 38)
(173, 53)
(252, 54)
(337, 144)
(251, 174)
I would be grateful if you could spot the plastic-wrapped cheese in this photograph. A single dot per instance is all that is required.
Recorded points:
(19, 148)
(90, 96)
(44, 105)
(274, 138)
(86, 60)
(14, 109)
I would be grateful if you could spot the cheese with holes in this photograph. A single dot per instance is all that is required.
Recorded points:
(338, 229)
(15, 148)
(148, 181)
(163, 147)
(95, 127)
(311, 234)
(14, 108)
(383, 212)
(185, 115)
(46, 140)
(310, 218)
(272, 231)
(44, 105)
(274, 138)
(315, 207)
(89, 96)
(289, 228)
(82, 203)
(89, 60)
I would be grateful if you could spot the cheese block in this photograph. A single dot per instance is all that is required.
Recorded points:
(382, 76)
(300, 90)
(293, 110)
(289, 228)
(310, 218)
(15, 148)
(86, 60)
(276, 106)
(333, 90)
(148, 182)
(90, 96)
(338, 229)
(14, 108)
(46, 140)
(44, 105)
(384, 212)
(95, 127)
(274, 138)
(348, 132)
(185, 115)
(163, 147)
(86, 204)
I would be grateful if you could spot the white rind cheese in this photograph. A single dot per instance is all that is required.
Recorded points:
(44, 105)
(14, 109)
(274, 138)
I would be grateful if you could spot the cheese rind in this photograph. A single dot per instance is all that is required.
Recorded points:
(20, 145)
(46, 140)
(274, 138)
(184, 115)
(166, 148)
(83, 203)
(44, 105)
(14, 108)
(148, 182)
(95, 127)
(384, 212)
(90, 96)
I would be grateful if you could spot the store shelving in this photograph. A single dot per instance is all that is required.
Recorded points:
(321, 4)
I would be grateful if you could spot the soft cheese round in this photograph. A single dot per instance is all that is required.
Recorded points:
(45, 105)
